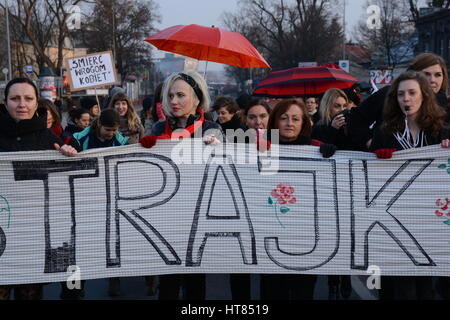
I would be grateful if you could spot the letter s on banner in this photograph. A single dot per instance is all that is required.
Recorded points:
(374, 280)
(374, 19)
(74, 279)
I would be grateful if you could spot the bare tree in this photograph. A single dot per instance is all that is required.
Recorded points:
(44, 24)
(121, 26)
(394, 40)
(414, 7)
(287, 32)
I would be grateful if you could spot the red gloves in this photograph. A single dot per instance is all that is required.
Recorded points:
(384, 153)
(148, 141)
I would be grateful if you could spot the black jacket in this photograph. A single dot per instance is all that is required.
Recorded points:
(371, 110)
(71, 129)
(328, 134)
(382, 140)
(233, 124)
(26, 135)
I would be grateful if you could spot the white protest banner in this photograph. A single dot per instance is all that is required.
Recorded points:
(182, 208)
(91, 71)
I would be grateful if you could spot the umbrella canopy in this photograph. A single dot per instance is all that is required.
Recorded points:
(304, 81)
(209, 44)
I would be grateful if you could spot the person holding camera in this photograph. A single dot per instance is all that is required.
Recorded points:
(332, 127)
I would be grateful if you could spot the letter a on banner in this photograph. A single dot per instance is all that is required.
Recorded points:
(206, 224)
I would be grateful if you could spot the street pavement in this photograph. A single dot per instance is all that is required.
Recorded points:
(217, 288)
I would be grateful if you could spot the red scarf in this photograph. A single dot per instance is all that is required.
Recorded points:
(187, 132)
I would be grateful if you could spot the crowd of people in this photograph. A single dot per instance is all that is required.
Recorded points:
(411, 113)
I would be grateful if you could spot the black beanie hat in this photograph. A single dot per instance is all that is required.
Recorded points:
(88, 102)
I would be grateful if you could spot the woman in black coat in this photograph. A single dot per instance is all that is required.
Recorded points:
(412, 119)
(370, 113)
(332, 127)
(23, 127)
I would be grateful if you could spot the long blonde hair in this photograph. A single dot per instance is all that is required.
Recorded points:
(133, 121)
(327, 102)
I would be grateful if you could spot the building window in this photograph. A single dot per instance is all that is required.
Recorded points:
(441, 48)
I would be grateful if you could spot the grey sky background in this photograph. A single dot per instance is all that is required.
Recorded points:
(209, 12)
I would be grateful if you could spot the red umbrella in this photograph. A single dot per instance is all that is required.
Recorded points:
(210, 44)
(303, 81)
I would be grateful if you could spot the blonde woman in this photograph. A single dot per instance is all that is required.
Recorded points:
(130, 124)
(332, 126)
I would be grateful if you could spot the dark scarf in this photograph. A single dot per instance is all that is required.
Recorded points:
(11, 128)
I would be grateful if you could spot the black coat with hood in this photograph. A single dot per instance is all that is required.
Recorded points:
(26, 135)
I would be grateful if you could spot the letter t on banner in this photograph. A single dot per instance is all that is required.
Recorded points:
(60, 258)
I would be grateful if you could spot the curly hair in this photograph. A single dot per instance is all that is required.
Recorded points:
(430, 115)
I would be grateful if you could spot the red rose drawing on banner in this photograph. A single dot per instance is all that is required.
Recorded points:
(282, 195)
(444, 209)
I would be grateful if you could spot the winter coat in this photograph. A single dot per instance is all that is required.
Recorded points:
(88, 140)
(26, 135)
(71, 129)
(371, 110)
(382, 140)
(329, 134)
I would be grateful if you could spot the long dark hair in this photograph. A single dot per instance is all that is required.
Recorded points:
(430, 115)
(47, 104)
(428, 59)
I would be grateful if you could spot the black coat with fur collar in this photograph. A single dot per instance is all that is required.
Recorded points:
(26, 135)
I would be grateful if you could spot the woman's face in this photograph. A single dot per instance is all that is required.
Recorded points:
(84, 121)
(224, 115)
(122, 107)
(50, 119)
(290, 123)
(435, 77)
(257, 117)
(21, 101)
(311, 105)
(338, 106)
(181, 100)
(409, 97)
(95, 111)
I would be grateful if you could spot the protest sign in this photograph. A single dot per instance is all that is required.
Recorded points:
(190, 208)
(91, 71)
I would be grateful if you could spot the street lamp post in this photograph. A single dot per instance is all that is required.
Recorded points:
(343, 50)
(8, 41)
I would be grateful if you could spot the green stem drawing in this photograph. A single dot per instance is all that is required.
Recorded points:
(276, 214)
(7, 210)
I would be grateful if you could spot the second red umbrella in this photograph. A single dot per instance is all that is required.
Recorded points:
(304, 81)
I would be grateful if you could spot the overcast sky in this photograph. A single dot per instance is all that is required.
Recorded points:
(209, 12)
